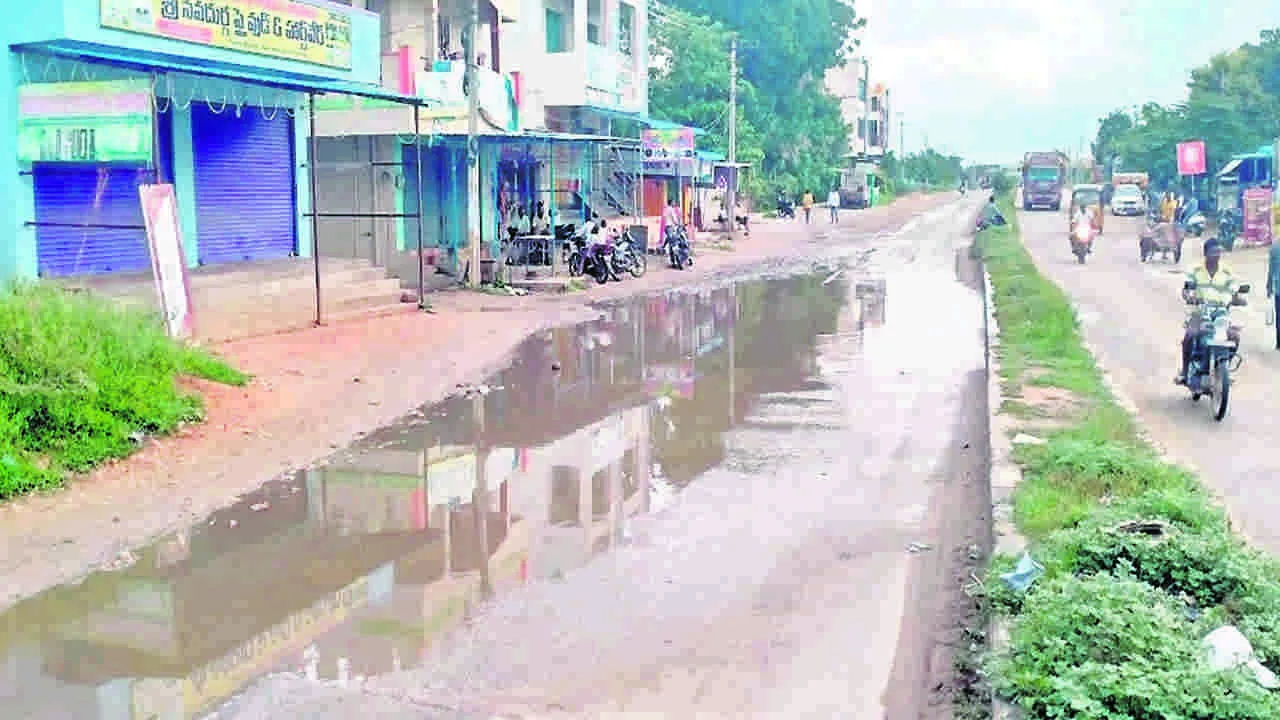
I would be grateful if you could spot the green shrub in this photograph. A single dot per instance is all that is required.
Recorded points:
(81, 380)
(1110, 648)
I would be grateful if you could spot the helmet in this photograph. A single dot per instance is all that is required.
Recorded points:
(1212, 248)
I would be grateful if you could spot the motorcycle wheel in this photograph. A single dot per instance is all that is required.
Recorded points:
(1080, 256)
(575, 264)
(1221, 390)
(639, 265)
(671, 257)
(1177, 253)
(600, 273)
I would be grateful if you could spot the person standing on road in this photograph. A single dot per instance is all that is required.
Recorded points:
(1273, 287)
(807, 203)
(833, 203)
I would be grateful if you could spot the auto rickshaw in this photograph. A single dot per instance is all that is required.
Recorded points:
(1086, 196)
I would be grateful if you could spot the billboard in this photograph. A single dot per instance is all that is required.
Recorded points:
(1191, 159)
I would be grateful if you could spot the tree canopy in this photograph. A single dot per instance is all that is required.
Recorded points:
(789, 127)
(1233, 104)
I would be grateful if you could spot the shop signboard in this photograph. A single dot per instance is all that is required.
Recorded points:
(275, 28)
(443, 87)
(667, 142)
(1191, 160)
(88, 122)
(168, 259)
(451, 480)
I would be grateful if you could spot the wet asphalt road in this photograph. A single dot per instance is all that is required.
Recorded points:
(783, 582)
(752, 499)
(1132, 314)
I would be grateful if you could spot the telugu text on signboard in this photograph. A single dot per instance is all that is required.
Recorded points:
(275, 28)
(88, 122)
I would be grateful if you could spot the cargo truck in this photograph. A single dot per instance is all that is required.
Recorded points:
(1044, 176)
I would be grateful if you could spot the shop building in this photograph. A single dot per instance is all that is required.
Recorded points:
(106, 95)
(563, 94)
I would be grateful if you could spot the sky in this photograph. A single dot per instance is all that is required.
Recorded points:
(991, 79)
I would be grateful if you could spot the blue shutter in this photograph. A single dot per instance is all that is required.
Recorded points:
(244, 182)
(94, 195)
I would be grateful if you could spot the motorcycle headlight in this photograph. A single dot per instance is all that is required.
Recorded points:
(1220, 324)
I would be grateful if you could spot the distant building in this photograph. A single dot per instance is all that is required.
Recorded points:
(864, 106)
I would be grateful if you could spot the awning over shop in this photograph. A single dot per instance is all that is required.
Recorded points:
(153, 62)
(508, 10)
(649, 122)
(1229, 168)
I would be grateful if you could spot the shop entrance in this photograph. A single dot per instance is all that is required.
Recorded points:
(244, 183)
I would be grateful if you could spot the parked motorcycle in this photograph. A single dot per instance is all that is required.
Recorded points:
(1229, 226)
(627, 256)
(676, 246)
(786, 208)
(1082, 240)
(1195, 224)
(1216, 353)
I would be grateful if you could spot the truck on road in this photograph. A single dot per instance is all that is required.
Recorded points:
(1044, 176)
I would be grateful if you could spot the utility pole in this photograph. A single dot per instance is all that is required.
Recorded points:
(902, 157)
(731, 192)
(473, 144)
(865, 99)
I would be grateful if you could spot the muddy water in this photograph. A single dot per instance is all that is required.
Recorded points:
(357, 568)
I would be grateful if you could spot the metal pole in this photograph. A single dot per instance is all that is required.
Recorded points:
(417, 145)
(866, 95)
(731, 191)
(157, 171)
(473, 149)
(315, 203)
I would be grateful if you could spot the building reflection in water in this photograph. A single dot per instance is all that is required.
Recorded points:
(361, 566)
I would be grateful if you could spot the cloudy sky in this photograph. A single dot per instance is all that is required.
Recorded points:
(991, 79)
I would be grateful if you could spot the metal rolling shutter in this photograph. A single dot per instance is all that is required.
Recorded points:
(244, 182)
(98, 195)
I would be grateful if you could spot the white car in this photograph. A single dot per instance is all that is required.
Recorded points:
(1128, 200)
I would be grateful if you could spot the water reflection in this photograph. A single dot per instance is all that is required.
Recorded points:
(358, 567)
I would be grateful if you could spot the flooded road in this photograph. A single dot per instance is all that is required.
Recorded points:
(723, 501)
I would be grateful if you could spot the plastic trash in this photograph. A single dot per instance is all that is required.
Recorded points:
(1228, 648)
(1024, 575)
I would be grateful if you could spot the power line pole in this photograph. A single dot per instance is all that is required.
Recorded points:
(473, 144)
(731, 192)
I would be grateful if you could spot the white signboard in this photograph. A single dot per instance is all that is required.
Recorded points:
(168, 261)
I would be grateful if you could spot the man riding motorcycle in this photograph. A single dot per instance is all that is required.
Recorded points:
(1211, 282)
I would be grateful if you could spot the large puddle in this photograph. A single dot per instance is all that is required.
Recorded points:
(358, 567)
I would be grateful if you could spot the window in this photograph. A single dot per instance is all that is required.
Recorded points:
(555, 31)
(862, 128)
(875, 103)
(594, 13)
(873, 132)
(626, 28)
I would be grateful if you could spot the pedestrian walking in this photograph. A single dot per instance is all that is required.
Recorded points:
(833, 203)
(807, 203)
(1273, 289)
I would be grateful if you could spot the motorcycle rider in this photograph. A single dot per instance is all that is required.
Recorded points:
(1211, 282)
(672, 221)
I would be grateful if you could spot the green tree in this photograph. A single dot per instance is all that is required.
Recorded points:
(1233, 105)
(786, 48)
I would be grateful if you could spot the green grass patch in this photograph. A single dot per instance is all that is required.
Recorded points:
(1113, 628)
(81, 380)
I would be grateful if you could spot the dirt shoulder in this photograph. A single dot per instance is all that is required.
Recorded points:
(318, 390)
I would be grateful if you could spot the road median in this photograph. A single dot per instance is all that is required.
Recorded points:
(1114, 564)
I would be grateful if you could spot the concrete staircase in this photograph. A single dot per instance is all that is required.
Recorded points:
(250, 299)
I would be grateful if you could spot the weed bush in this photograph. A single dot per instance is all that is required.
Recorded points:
(80, 379)
(1107, 648)
(1112, 629)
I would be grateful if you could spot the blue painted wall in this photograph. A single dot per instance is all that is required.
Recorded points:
(78, 20)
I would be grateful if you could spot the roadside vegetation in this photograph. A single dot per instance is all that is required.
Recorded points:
(1139, 562)
(83, 382)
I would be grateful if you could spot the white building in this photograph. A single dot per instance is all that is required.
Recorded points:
(864, 106)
